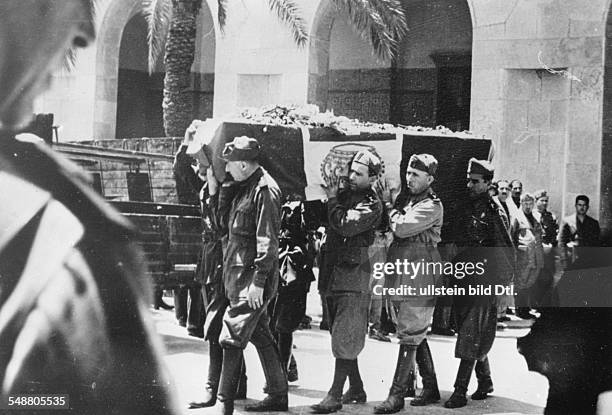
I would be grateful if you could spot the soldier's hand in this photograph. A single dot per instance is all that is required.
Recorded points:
(255, 297)
(331, 187)
(190, 131)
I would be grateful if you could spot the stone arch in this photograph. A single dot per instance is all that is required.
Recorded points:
(419, 85)
(139, 93)
(116, 16)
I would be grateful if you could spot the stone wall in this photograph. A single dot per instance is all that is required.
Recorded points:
(537, 92)
(114, 174)
(537, 80)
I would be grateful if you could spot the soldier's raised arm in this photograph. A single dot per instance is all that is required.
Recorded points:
(422, 216)
(352, 221)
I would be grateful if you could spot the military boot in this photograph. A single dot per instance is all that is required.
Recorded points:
(458, 399)
(405, 364)
(215, 352)
(485, 384)
(241, 389)
(276, 381)
(228, 382)
(430, 393)
(332, 402)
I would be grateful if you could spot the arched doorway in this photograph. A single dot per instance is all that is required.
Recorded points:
(139, 95)
(428, 84)
(123, 15)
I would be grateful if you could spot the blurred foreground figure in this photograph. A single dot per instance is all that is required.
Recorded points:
(72, 301)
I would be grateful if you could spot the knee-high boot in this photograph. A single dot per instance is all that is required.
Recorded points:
(228, 382)
(430, 392)
(485, 384)
(458, 398)
(215, 352)
(405, 363)
(241, 390)
(276, 381)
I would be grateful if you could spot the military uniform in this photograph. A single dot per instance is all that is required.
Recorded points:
(250, 257)
(352, 219)
(209, 273)
(416, 223)
(353, 215)
(487, 241)
(288, 308)
(416, 228)
(72, 309)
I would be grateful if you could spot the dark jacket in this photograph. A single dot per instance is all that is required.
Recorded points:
(576, 241)
(295, 257)
(352, 217)
(73, 283)
(210, 268)
(251, 255)
(485, 240)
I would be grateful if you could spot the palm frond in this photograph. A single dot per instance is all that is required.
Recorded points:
(392, 13)
(222, 14)
(158, 14)
(382, 22)
(288, 12)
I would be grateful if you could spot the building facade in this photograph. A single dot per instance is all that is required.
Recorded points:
(531, 75)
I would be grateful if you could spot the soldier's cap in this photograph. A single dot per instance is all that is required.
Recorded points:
(241, 149)
(424, 162)
(480, 167)
(540, 193)
(527, 196)
(369, 160)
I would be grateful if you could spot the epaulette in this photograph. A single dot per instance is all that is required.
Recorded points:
(434, 197)
(262, 182)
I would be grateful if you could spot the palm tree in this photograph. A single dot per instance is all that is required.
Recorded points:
(172, 30)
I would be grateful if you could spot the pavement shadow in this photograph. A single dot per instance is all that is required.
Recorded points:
(176, 344)
(307, 393)
(491, 406)
(441, 339)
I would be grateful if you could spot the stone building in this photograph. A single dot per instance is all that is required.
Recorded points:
(531, 75)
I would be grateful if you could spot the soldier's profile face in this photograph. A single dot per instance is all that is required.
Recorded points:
(476, 184)
(542, 203)
(35, 36)
(417, 180)
(236, 169)
(358, 177)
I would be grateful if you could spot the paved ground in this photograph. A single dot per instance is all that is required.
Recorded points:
(517, 391)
